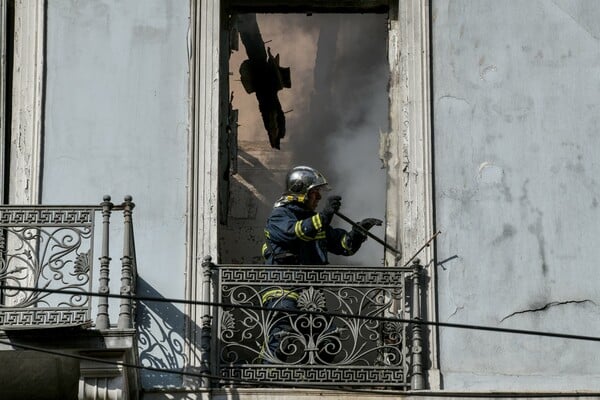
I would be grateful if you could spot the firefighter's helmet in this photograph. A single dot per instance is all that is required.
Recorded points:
(302, 179)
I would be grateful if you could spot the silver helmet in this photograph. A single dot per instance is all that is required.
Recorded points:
(302, 179)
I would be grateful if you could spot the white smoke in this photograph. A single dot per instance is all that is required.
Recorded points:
(348, 116)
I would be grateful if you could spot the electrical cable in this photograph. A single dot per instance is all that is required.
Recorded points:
(340, 388)
(318, 313)
(296, 385)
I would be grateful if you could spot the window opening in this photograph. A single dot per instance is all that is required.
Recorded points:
(334, 100)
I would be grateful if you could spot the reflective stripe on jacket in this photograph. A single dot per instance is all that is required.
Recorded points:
(295, 230)
(277, 293)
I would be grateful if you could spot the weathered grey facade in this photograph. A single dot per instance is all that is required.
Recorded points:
(491, 140)
(516, 189)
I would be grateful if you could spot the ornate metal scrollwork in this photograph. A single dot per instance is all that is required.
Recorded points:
(311, 326)
(46, 258)
(49, 249)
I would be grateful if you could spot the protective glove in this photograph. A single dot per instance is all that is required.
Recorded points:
(368, 223)
(333, 204)
(365, 224)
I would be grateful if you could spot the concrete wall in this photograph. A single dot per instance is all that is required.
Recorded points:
(116, 122)
(516, 117)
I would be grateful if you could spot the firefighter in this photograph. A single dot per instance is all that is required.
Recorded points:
(296, 234)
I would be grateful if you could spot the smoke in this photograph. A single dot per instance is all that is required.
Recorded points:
(339, 104)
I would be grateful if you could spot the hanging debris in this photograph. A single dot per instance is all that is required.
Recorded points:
(262, 75)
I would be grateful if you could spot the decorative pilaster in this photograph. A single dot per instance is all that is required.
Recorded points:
(102, 320)
(410, 196)
(23, 173)
(27, 96)
(203, 153)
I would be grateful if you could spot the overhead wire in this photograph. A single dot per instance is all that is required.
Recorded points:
(339, 388)
(222, 379)
(416, 321)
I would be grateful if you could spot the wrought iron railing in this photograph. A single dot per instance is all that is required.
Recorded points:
(345, 326)
(47, 265)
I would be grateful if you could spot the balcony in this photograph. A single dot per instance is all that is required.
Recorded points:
(51, 257)
(350, 326)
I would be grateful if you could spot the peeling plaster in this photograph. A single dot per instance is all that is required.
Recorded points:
(547, 307)
(384, 145)
(486, 73)
(490, 173)
(456, 310)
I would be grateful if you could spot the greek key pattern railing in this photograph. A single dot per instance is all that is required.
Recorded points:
(50, 249)
(306, 276)
(318, 375)
(16, 318)
(48, 216)
(323, 325)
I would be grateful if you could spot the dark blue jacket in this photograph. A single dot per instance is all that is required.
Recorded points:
(297, 235)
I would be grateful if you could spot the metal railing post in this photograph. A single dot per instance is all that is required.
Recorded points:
(416, 380)
(125, 318)
(102, 320)
(2, 261)
(206, 329)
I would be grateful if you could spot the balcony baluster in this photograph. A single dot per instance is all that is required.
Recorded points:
(125, 317)
(102, 319)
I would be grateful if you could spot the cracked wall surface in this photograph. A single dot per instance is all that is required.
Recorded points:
(546, 307)
(516, 189)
